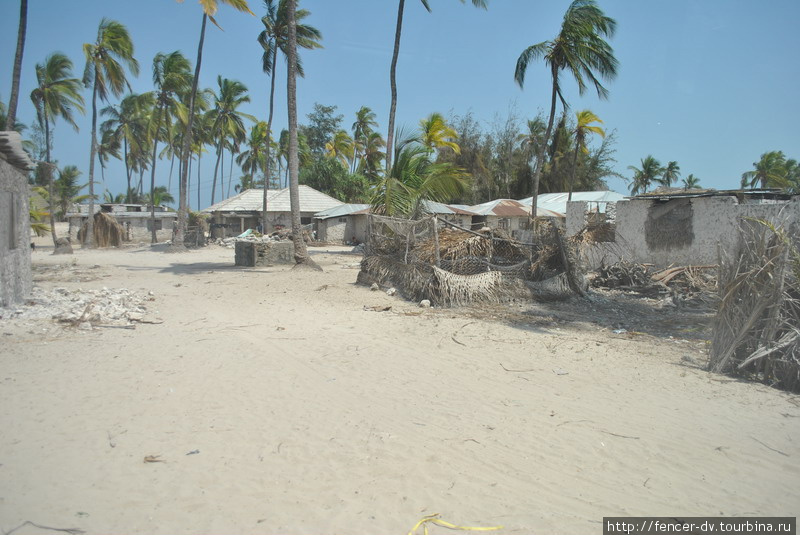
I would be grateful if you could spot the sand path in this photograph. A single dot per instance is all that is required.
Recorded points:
(312, 415)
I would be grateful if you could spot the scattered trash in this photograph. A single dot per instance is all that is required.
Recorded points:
(193, 452)
(560, 371)
(425, 304)
(391, 291)
(620, 331)
(374, 287)
(154, 459)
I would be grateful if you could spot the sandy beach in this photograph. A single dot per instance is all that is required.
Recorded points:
(278, 404)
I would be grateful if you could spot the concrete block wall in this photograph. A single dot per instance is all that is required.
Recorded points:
(15, 253)
(684, 231)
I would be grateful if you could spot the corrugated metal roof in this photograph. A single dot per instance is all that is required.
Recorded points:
(251, 200)
(557, 202)
(341, 211)
(509, 208)
(432, 207)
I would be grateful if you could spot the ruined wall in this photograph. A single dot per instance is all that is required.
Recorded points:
(684, 231)
(254, 253)
(15, 252)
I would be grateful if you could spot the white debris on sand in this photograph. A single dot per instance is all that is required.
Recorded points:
(230, 243)
(81, 308)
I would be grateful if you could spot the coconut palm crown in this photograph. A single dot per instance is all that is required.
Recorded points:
(579, 49)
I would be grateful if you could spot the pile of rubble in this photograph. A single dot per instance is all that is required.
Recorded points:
(83, 309)
(682, 283)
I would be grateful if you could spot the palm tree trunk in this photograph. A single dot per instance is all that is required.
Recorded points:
(199, 155)
(393, 82)
(187, 144)
(230, 174)
(269, 135)
(89, 238)
(300, 251)
(189, 188)
(222, 174)
(216, 169)
(574, 168)
(540, 156)
(50, 187)
(153, 238)
(169, 181)
(127, 170)
(11, 119)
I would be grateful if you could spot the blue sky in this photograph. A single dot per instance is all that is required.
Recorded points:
(710, 84)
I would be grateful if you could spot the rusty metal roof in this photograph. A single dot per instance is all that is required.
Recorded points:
(509, 208)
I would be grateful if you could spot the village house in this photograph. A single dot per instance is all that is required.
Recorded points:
(508, 215)
(15, 253)
(236, 214)
(347, 223)
(134, 218)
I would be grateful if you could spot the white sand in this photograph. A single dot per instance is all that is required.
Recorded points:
(312, 415)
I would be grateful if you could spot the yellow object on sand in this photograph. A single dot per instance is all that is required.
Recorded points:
(434, 519)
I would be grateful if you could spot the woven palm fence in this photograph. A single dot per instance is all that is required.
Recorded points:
(757, 326)
(452, 266)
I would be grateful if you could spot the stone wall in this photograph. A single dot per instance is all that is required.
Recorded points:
(256, 253)
(15, 252)
(333, 229)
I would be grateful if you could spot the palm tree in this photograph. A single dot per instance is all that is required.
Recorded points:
(414, 178)
(228, 122)
(769, 171)
(105, 74)
(274, 37)
(583, 128)
(158, 197)
(254, 158)
(106, 149)
(436, 134)
(580, 49)
(171, 76)
(300, 252)
(209, 9)
(650, 171)
(362, 129)
(37, 214)
(56, 95)
(11, 117)
(127, 123)
(670, 174)
(691, 182)
(372, 156)
(393, 70)
(67, 189)
(793, 175)
(246, 182)
(341, 147)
